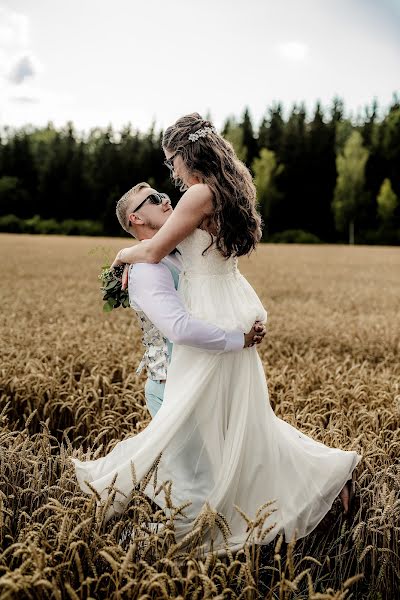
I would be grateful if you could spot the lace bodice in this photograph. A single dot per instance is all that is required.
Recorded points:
(211, 263)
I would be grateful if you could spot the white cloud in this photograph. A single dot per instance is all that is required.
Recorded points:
(23, 68)
(19, 67)
(17, 61)
(296, 51)
(23, 96)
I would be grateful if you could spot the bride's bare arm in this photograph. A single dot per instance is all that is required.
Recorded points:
(195, 204)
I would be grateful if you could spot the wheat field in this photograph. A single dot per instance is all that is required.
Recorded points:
(68, 385)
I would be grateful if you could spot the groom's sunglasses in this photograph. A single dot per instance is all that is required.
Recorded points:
(155, 198)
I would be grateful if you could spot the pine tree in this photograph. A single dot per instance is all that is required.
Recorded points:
(249, 140)
(321, 170)
(271, 130)
(293, 182)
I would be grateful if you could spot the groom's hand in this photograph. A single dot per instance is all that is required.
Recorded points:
(255, 335)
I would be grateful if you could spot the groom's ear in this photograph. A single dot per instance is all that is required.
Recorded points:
(134, 219)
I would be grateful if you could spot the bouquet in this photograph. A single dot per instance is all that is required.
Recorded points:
(111, 286)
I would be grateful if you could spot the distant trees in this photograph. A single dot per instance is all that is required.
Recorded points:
(266, 170)
(234, 133)
(319, 176)
(386, 201)
(349, 190)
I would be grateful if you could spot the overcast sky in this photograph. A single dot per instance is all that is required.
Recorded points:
(97, 62)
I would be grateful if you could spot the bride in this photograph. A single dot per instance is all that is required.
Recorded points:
(220, 440)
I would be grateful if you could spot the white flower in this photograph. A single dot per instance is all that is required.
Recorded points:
(193, 137)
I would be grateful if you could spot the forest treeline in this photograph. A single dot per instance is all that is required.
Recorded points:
(319, 177)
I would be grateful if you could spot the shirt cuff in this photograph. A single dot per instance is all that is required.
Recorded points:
(234, 341)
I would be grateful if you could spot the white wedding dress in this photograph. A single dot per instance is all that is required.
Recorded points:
(220, 440)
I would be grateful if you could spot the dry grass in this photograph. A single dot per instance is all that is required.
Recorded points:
(67, 380)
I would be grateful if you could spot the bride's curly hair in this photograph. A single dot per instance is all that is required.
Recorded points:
(212, 160)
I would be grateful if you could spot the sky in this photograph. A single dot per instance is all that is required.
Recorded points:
(101, 62)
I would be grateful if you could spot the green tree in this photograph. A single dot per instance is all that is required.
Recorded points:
(293, 183)
(369, 125)
(271, 131)
(343, 130)
(249, 140)
(14, 198)
(386, 201)
(266, 169)
(320, 181)
(349, 190)
(233, 132)
(391, 145)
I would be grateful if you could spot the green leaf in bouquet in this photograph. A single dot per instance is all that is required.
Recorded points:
(107, 307)
(112, 285)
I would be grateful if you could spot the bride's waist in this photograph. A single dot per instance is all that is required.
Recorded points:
(224, 299)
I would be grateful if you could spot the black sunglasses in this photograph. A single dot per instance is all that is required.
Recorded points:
(154, 198)
(169, 162)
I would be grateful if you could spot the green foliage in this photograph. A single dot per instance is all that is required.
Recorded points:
(385, 235)
(391, 135)
(387, 201)
(350, 181)
(235, 135)
(266, 170)
(43, 226)
(249, 141)
(82, 227)
(294, 236)
(8, 185)
(13, 224)
(111, 286)
(343, 130)
(13, 198)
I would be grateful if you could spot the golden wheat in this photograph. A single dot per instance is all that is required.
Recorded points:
(68, 385)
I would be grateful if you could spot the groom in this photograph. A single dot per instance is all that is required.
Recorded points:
(152, 289)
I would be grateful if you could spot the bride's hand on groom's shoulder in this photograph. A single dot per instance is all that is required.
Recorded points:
(255, 335)
(129, 255)
(118, 260)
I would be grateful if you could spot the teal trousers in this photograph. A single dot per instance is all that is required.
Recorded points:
(154, 394)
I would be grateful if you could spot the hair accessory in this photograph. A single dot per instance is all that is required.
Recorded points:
(193, 137)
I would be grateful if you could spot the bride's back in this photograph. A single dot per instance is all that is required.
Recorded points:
(212, 287)
(197, 260)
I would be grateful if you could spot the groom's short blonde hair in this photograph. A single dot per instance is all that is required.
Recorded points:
(124, 205)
